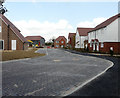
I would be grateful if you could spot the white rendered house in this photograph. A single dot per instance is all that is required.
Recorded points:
(81, 36)
(105, 36)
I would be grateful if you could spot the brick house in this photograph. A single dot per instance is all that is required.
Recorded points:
(81, 37)
(37, 41)
(10, 36)
(60, 42)
(71, 40)
(105, 37)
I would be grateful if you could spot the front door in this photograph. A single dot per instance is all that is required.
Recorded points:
(13, 44)
(94, 46)
(97, 46)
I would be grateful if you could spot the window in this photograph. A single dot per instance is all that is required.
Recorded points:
(62, 42)
(57, 41)
(57, 46)
(102, 44)
(1, 44)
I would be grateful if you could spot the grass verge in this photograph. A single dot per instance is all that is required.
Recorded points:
(19, 54)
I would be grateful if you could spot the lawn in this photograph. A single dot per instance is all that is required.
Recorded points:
(19, 54)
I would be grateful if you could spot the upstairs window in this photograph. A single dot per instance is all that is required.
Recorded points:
(57, 41)
(62, 42)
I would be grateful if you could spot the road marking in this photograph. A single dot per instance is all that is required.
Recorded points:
(31, 93)
(16, 85)
(56, 60)
(34, 81)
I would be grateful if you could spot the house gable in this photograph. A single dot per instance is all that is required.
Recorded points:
(13, 28)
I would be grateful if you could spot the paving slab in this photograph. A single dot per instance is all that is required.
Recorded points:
(59, 73)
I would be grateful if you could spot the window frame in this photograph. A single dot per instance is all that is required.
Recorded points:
(0, 28)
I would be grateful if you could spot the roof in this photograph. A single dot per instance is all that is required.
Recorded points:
(107, 22)
(13, 27)
(34, 38)
(83, 31)
(60, 37)
(71, 35)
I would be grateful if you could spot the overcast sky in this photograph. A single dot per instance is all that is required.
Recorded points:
(50, 19)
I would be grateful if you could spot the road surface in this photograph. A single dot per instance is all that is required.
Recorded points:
(59, 73)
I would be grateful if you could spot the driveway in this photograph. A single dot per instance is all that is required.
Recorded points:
(59, 73)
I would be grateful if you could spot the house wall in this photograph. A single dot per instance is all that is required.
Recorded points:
(71, 42)
(12, 36)
(108, 35)
(80, 40)
(77, 40)
(60, 43)
(107, 46)
(26, 46)
(42, 42)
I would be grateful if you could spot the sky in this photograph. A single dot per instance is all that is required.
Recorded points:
(53, 19)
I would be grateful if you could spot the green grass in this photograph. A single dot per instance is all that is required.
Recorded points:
(19, 54)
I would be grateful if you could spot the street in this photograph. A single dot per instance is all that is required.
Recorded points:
(59, 73)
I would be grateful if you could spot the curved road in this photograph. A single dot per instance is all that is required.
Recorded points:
(59, 73)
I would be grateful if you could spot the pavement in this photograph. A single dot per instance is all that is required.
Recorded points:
(59, 73)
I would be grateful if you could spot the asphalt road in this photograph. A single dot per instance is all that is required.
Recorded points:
(59, 73)
(105, 86)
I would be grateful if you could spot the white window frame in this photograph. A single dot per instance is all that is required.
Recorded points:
(12, 45)
(0, 28)
(102, 45)
(3, 44)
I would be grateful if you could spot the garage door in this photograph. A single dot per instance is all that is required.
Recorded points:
(13, 44)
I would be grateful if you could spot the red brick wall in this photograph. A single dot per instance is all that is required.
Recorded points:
(106, 48)
(71, 42)
(115, 45)
(12, 36)
(60, 44)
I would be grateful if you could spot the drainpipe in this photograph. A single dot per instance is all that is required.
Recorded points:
(8, 35)
(23, 45)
